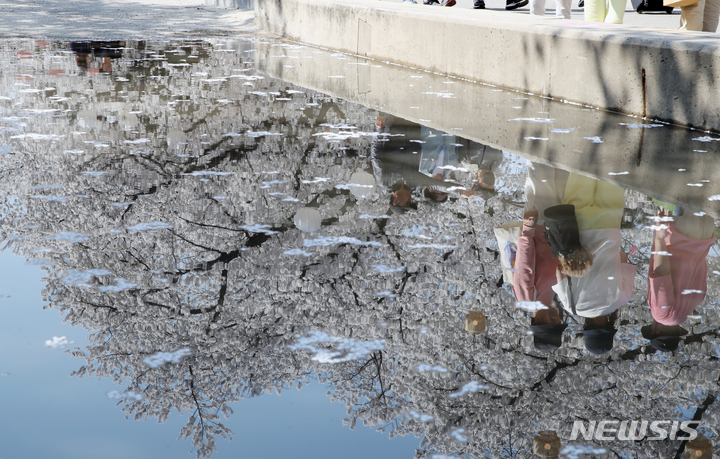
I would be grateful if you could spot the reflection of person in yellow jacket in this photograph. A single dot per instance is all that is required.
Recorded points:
(609, 283)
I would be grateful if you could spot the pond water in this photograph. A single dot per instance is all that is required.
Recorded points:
(193, 230)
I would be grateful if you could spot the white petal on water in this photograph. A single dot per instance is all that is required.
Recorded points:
(578, 451)
(265, 229)
(457, 434)
(443, 95)
(129, 395)
(420, 417)
(699, 214)
(316, 180)
(161, 358)
(534, 120)
(595, 139)
(638, 126)
(334, 240)
(69, 236)
(82, 278)
(50, 198)
(150, 226)
(536, 138)
(472, 386)
(345, 349)
(425, 367)
(387, 269)
(432, 246)
(706, 139)
(562, 131)
(530, 305)
(261, 133)
(619, 173)
(297, 252)
(694, 184)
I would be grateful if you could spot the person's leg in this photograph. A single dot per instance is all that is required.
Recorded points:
(616, 12)
(710, 15)
(563, 8)
(537, 7)
(595, 10)
(691, 17)
(540, 191)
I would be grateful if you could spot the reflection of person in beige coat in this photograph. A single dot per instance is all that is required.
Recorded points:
(609, 283)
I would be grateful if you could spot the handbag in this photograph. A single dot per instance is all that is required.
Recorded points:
(507, 236)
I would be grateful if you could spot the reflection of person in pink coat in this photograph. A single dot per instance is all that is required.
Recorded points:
(535, 266)
(677, 276)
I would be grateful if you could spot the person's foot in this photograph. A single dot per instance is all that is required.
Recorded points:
(447, 2)
(581, 4)
(513, 4)
(479, 5)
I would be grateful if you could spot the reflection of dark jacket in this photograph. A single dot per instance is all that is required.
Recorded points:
(562, 229)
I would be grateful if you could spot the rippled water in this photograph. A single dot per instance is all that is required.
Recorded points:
(224, 220)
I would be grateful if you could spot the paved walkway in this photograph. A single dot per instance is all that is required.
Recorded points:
(121, 19)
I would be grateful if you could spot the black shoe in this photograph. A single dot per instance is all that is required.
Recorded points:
(581, 4)
(513, 4)
(479, 5)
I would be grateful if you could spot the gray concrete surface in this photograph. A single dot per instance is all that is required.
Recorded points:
(659, 73)
(659, 161)
(122, 19)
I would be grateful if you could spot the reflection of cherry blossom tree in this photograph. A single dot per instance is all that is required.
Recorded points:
(178, 238)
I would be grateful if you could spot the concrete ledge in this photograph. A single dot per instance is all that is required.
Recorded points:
(662, 74)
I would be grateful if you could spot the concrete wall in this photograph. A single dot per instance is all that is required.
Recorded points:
(664, 74)
(666, 162)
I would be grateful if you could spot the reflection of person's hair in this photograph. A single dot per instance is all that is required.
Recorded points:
(577, 263)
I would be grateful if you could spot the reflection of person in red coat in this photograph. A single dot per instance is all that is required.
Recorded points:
(677, 276)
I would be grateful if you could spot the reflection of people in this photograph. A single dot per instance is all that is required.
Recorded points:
(439, 153)
(106, 50)
(609, 282)
(535, 265)
(677, 277)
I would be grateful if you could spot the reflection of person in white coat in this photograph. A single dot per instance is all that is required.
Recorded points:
(609, 283)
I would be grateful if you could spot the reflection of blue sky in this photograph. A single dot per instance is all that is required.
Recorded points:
(45, 413)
